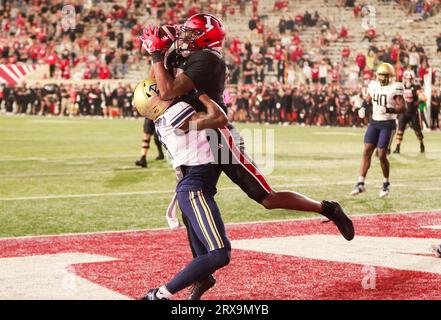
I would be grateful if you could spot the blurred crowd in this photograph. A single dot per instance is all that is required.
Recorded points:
(426, 8)
(305, 105)
(96, 39)
(69, 100)
(273, 75)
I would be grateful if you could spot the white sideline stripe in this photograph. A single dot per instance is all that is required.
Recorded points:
(108, 194)
(438, 227)
(126, 169)
(366, 214)
(72, 158)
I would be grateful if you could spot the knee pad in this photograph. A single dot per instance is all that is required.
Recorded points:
(146, 144)
(220, 257)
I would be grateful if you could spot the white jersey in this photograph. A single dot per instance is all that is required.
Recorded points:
(382, 98)
(190, 148)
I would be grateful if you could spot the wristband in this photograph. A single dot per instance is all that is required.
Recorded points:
(391, 110)
(156, 56)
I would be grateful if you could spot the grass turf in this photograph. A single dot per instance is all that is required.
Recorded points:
(60, 157)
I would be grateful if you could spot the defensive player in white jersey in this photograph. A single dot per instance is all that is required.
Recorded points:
(190, 153)
(387, 101)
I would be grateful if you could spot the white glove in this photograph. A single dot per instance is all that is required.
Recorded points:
(362, 113)
(171, 215)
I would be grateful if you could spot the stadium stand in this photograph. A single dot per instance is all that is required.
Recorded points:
(276, 51)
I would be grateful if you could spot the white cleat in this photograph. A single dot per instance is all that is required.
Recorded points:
(359, 188)
(385, 190)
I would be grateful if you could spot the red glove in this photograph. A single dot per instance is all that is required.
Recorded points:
(153, 41)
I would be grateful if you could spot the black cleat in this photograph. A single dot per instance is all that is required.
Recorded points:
(422, 148)
(151, 295)
(397, 149)
(160, 157)
(200, 287)
(334, 212)
(142, 162)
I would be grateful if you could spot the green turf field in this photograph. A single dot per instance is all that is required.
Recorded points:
(60, 175)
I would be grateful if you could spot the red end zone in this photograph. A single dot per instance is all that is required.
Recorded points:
(302, 259)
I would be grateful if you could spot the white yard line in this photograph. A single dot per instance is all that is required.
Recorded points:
(366, 214)
(398, 183)
(50, 174)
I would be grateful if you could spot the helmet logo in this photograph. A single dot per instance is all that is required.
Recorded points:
(153, 87)
(208, 25)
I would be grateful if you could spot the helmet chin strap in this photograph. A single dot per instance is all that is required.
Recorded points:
(182, 50)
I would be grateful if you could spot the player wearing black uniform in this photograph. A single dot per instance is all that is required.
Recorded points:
(198, 38)
(411, 93)
(149, 130)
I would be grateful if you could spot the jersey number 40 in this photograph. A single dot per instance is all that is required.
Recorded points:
(380, 99)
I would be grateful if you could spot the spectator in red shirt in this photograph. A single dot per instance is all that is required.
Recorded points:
(360, 59)
(65, 73)
(394, 54)
(296, 38)
(103, 72)
(343, 33)
(345, 53)
(399, 73)
(370, 34)
(315, 73)
(52, 61)
(357, 10)
(422, 71)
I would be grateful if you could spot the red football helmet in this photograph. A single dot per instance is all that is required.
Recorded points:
(200, 31)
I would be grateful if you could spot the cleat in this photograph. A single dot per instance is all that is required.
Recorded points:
(151, 295)
(160, 157)
(142, 162)
(397, 149)
(385, 190)
(359, 188)
(422, 148)
(334, 212)
(200, 287)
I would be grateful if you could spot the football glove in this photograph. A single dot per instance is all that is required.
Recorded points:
(157, 39)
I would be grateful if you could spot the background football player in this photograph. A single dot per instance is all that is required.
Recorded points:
(412, 94)
(387, 101)
(149, 130)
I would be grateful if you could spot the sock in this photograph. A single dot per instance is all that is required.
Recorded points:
(163, 293)
(385, 180)
(199, 268)
(361, 180)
